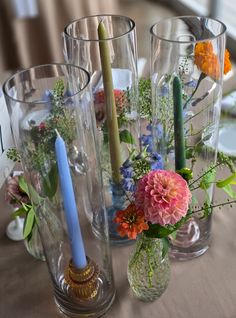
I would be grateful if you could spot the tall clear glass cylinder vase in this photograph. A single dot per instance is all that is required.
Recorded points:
(52, 123)
(105, 45)
(192, 49)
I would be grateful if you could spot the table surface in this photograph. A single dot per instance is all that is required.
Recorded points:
(204, 287)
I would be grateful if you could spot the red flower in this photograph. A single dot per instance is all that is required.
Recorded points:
(42, 126)
(131, 221)
(14, 194)
(99, 103)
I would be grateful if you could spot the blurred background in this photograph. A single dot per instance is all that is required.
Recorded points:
(30, 30)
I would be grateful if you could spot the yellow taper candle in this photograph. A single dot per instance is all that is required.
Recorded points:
(111, 115)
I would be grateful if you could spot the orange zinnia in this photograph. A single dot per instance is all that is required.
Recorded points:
(131, 222)
(208, 62)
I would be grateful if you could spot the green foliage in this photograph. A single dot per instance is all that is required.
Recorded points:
(13, 155)
(126, 136)
(207, 208)
(50, 182)
(208, 178)
(159, 231)
(23, 185)
(226, 185)
(230, 180)
(42, 143)
(29, 223)
(186, 173)
(145, 98)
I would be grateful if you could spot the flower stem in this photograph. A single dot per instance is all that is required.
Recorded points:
(213, 206)
(205, 173)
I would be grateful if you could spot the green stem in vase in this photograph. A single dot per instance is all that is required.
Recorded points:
(180, 162)
(111, 115)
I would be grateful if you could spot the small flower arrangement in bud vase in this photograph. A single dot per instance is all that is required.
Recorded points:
(163, 200)
(160, 203)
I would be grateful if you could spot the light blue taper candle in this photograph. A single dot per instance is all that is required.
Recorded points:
(70, 208)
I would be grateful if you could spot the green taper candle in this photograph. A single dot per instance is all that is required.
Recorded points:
(111, 115)
(178, 125)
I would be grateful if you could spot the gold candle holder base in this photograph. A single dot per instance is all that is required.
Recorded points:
(83, 282)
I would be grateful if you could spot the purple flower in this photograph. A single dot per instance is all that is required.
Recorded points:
(156, 161)
(128, 184)
(127, 172)
(149, 127)
(147, 140)
(127, 164)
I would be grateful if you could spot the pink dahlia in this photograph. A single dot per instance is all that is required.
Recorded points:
(164, 196)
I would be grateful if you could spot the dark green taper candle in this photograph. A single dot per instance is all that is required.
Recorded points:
(178, 125)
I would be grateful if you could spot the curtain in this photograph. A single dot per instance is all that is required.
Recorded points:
(36, 39)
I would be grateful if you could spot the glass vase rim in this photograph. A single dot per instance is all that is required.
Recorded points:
(132, 28)
(18, 73)
(224, 29)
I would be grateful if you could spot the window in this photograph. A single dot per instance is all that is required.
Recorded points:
(224, 10)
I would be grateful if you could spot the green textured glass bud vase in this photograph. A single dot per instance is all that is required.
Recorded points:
(148, 270)
(186, 72)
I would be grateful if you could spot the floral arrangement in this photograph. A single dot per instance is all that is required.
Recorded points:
(40, 150)
(17, 194)
(161, 201)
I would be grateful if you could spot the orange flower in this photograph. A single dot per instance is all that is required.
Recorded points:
(208, 62)
(131, 222)
(227, 63)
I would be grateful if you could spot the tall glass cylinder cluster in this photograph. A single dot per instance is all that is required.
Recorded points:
(52, 123)
(106, 46)
(187, 63)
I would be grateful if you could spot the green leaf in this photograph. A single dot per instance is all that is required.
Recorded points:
(23, 185)
(228, 189)
(29, 223)
(19, 212)
(207, 179)
(165, 246)
(186, 173)
(230, 180)
(126, 136)
(50, 182)
(35, 198)
(194, 200)
(156, 230)
(207, 208)
(174, 234)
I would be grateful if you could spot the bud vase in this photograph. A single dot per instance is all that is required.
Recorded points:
(148, 270)
(105, 45)
(52, 123)
(194, 53)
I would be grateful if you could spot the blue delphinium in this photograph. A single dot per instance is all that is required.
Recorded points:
(127, 172)
(156, 161)
(137, 165)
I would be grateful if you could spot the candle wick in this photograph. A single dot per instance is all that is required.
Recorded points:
(58, 135)
(101, 20)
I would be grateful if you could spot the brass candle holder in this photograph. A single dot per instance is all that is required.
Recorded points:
(83, 282)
